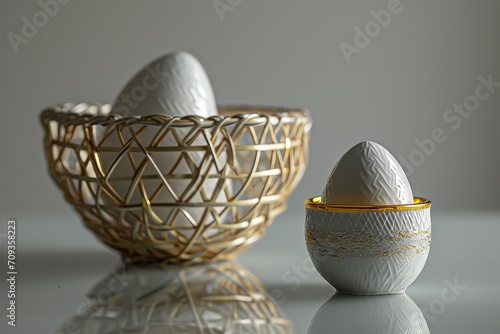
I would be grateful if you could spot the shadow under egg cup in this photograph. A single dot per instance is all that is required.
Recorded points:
(368, 250)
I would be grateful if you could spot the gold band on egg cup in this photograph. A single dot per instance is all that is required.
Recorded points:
(315, 203)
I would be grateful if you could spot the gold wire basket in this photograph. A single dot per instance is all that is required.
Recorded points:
(176, 189)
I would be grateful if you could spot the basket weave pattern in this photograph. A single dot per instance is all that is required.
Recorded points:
(228, 176)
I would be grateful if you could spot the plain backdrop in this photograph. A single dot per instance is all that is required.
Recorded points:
(394, 91)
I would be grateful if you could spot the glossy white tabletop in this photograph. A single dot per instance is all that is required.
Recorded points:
(60, 264)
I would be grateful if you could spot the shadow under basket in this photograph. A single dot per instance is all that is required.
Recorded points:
(176, 189)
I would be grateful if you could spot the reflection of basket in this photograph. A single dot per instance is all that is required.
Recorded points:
(252, 158)
(218, 297)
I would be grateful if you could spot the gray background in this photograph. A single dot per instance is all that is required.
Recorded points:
(394, 91)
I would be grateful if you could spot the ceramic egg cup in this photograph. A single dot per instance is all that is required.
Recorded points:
(368, 250)
(254, 156)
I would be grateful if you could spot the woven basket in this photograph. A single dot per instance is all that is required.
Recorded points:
(228, 176)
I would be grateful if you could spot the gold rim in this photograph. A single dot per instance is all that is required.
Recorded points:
(315, 203)
(79, 114)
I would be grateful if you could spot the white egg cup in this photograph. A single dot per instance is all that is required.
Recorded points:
(368, 250)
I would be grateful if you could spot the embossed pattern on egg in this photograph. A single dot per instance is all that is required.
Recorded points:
(367, 174)
(173, 85)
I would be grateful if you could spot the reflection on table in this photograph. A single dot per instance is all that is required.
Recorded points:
(387, 314)
(221, 297)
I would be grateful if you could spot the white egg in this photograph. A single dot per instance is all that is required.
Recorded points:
(174, 85)
(367, 174)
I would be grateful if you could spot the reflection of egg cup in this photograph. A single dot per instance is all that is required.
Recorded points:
(252, 158)
(368, 250)
(373, 314)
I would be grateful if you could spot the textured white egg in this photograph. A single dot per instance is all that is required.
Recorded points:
(367, 174)
(174, 85)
